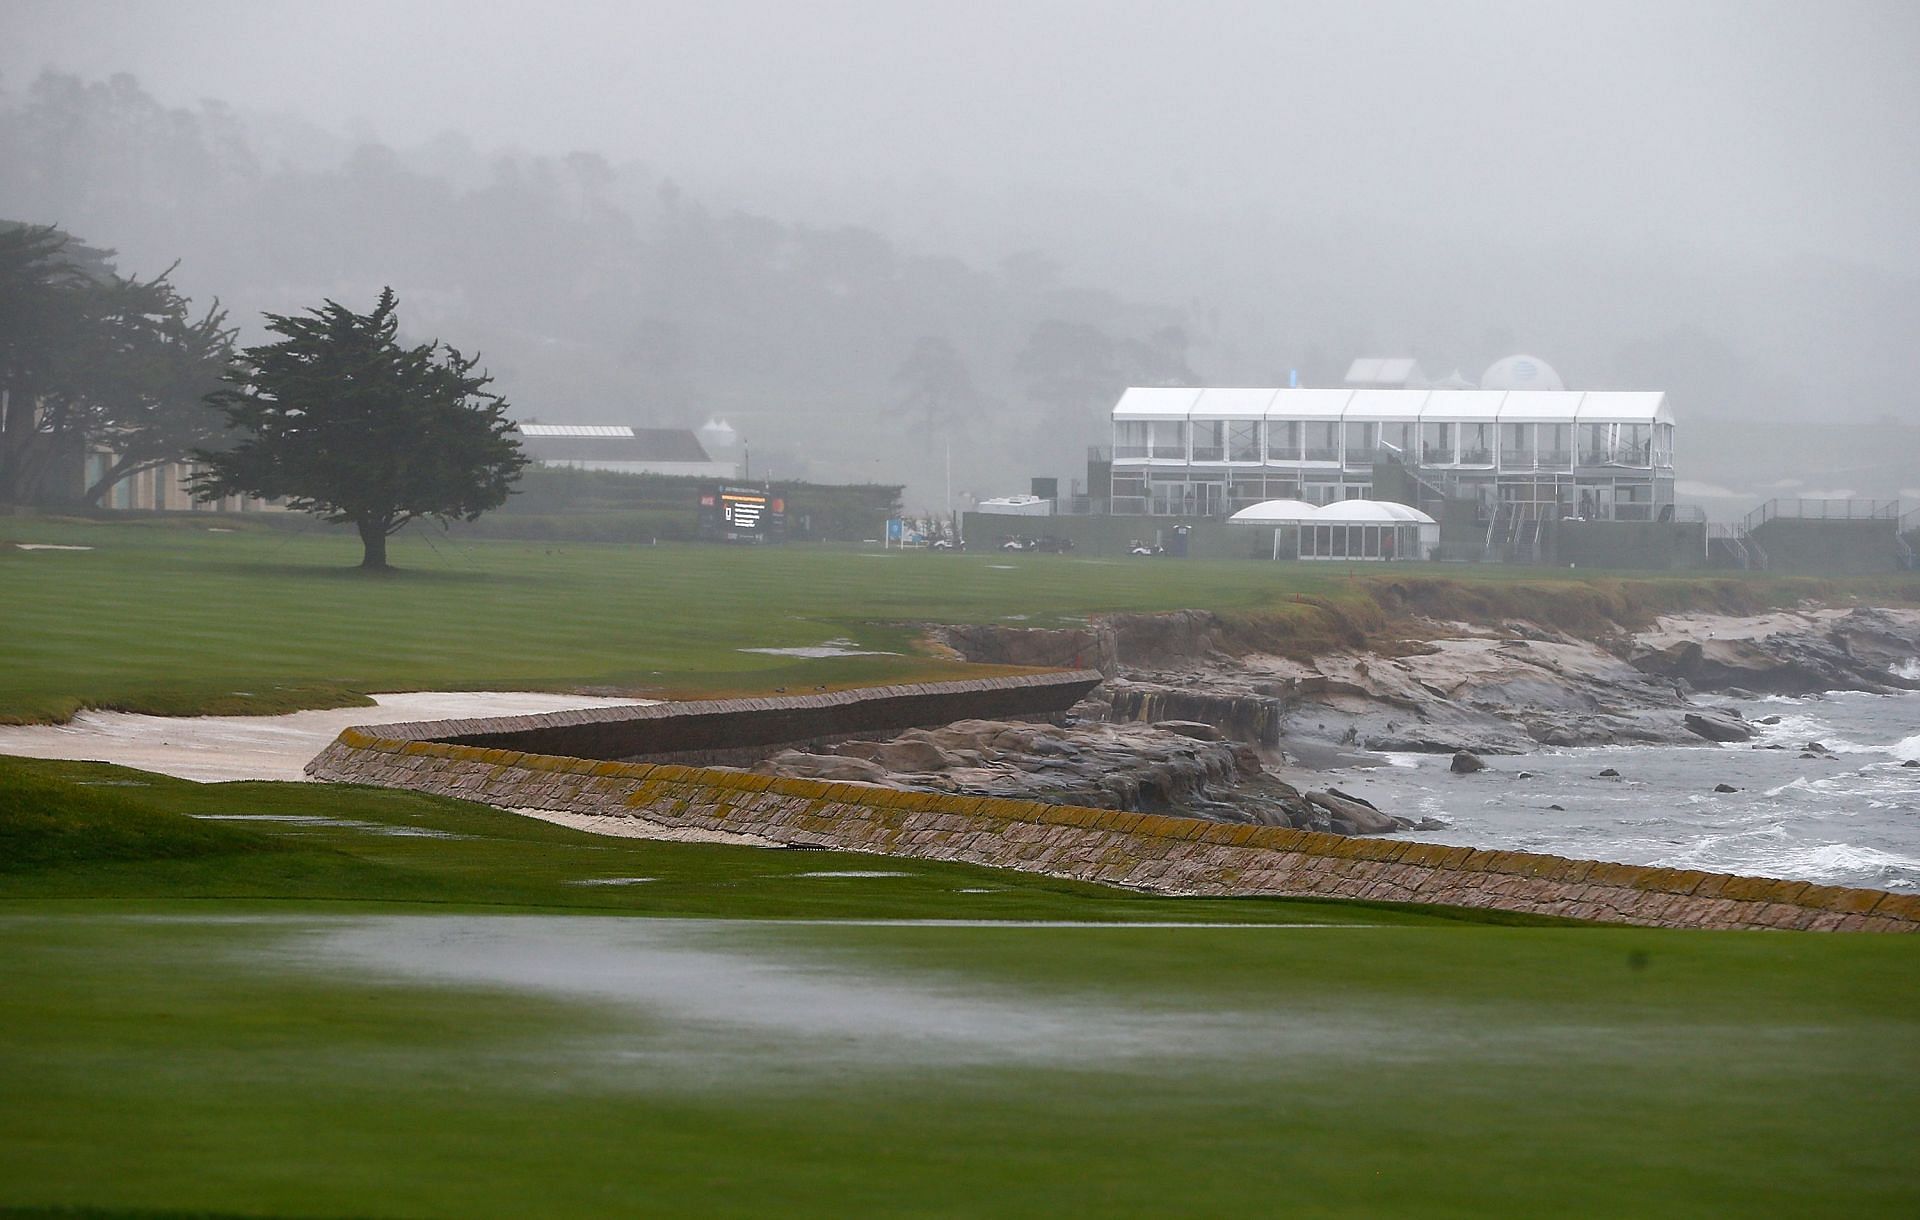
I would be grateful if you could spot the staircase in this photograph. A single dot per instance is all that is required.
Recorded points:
(1527, 546)
(1730, 546)
(1499, 534)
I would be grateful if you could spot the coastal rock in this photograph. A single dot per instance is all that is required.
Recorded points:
(799, 764)
(1716, 727)
(1465, 763)
(1349, 817)
(1189, 728)
(1725, 788)
(1115, 766)
(1786, 654)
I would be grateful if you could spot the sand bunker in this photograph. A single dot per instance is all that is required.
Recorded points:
(624, 827)
(217, 748)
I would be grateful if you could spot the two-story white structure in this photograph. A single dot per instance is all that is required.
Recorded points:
(1530, 454)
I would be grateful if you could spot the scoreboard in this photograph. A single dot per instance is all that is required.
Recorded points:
(742, 514)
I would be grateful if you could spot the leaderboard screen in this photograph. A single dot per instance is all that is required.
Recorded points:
(746, 514)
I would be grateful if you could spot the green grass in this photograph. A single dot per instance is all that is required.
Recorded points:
(190, 1031)
(167, 616)
(182, 1031)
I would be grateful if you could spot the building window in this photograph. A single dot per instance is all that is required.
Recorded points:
(1283, 440)
(1396, 441)
(1129, 439)
(1476, 444)
(1169, 440)
(1634, 445)
(1362, 440)
(1243, 441)
(1556, 446)
(1323, 440)
(1209, 440)
(1596, 444)
(1436, 444)
(1516, 446)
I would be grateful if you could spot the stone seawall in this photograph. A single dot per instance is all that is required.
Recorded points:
(1144, 851)
(716, 728)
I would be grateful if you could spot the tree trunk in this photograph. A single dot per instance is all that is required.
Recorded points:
(373, 536)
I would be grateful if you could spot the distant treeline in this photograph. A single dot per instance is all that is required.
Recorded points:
(602, 292)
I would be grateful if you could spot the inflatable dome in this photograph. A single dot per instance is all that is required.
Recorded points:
(1521, 373)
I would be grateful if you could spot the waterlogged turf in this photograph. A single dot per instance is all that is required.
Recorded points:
(512, 1065)
(315, 1010)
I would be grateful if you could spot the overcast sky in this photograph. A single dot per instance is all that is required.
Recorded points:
(1747, 127)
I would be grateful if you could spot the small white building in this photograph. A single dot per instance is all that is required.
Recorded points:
(621, 448)
(1378, 530)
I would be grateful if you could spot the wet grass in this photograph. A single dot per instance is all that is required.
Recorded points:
(93, 831)
(181, 1033)
(174, 1040)
(167, 616)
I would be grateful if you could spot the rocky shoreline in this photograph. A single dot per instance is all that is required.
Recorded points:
(1189, 724)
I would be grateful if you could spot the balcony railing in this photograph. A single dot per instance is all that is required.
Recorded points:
(1825, 510)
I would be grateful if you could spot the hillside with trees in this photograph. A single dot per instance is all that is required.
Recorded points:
(603, 293)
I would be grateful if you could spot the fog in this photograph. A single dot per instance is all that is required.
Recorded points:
(871, 234)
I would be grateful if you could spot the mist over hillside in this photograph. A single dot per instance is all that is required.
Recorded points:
(872, 317)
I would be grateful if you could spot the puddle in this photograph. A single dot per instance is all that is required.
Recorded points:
(733, 999)
(829, 648)
(856, 873)
(317, 822)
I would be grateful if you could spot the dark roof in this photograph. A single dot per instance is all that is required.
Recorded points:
(645, 445)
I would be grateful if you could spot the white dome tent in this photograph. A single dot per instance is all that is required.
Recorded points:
(1365, 530)
(1521, 372)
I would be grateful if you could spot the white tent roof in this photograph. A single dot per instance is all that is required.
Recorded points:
(1511, 406)
(1369, 512)
(1386, 404)
(1396, 371)
(1340, 512)
(1465, 406)
(1308, 404)
(574, 431)
(1155, 402)
(1276, 512)
(1232, 404)
(1625, 407)
(1540, 407)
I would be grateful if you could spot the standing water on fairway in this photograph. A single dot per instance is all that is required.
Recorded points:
(1846, 814)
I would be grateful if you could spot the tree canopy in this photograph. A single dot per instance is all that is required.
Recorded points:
(343, 421)
(88, 356)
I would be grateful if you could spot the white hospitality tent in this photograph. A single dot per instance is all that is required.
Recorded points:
(1374, 530)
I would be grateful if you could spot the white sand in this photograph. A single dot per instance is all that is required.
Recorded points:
(621, 826)
(212, 748)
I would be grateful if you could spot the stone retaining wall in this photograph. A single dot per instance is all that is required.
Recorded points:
(734, 726)
(1145, 851)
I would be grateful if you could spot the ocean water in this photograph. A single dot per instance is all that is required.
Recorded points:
(1850, 818)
